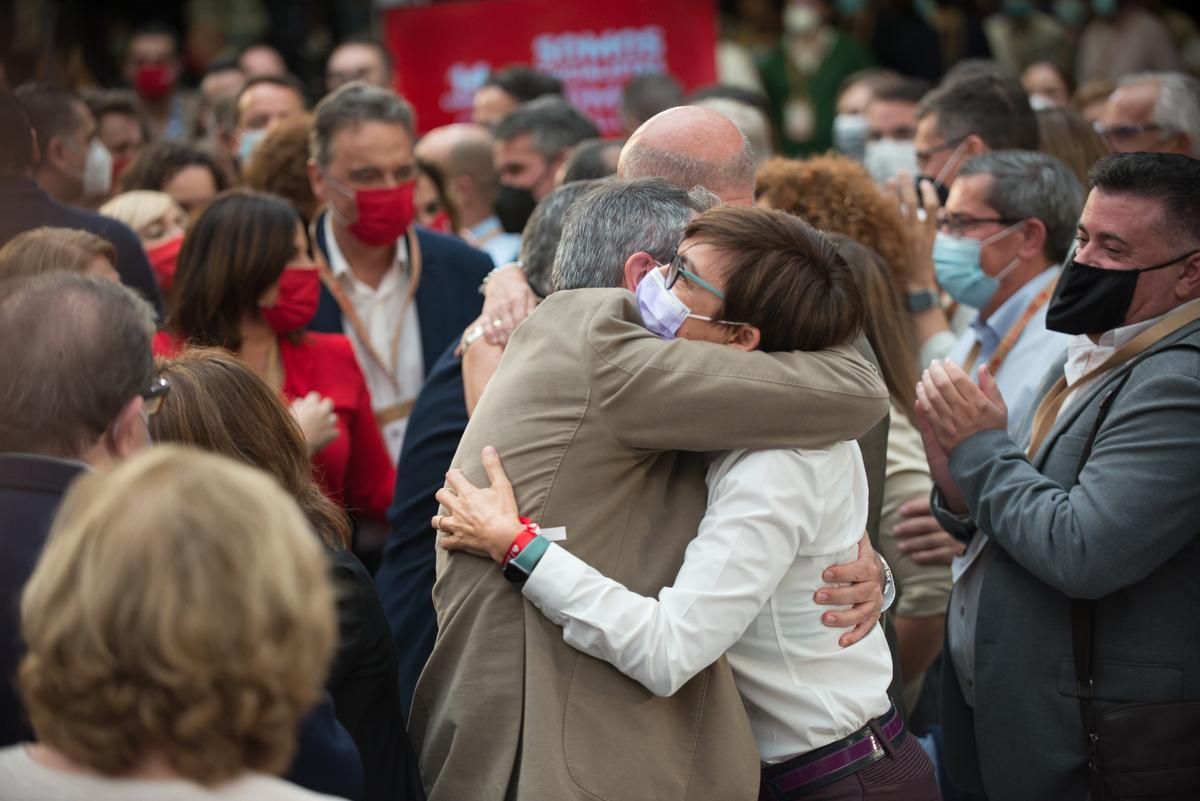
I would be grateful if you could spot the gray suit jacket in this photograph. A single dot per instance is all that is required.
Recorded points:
(1122, 531)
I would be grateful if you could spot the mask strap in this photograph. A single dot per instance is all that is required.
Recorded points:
(939, 179)
(1166, 264)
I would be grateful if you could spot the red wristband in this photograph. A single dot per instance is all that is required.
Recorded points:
(527, 535)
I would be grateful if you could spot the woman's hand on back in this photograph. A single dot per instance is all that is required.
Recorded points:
(483, 522)
(317, 421)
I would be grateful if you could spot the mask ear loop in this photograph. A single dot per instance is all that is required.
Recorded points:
(997, 237)
(939, 179)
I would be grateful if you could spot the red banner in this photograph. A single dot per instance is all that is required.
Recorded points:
(444, 52)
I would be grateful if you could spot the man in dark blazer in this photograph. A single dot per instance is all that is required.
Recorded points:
(24, 205)
(401, 294)
(1103, 509)
(77, 395)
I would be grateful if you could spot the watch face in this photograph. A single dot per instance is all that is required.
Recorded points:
(515, 574)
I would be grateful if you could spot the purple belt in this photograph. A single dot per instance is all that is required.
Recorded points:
(801, 775)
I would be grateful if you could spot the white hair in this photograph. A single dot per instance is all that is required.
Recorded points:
(1178, 105)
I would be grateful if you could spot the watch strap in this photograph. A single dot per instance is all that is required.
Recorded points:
(922, 300)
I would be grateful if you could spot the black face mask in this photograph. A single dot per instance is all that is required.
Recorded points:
(1092, 300)
(943, 191)
(513, 207)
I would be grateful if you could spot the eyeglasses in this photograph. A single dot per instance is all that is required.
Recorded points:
(1127, 131)
(154, 396)
(957, 224)
(923, 156)
(676, 270)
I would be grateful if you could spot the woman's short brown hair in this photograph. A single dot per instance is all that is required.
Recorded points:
(44, 249)
(782, 276)
(233, 253)
(181, 607)
(836, 194)
(279, 164)
(1067, 136)
(218, 403)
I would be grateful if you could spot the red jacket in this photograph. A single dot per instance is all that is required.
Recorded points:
(355, 469)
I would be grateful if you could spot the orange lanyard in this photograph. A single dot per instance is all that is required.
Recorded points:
(1047, 411)
(1014, 333)
(389, 365)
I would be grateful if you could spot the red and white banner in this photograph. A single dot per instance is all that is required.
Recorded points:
(444, 52)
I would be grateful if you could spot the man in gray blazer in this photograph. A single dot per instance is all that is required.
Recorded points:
(1103, 509)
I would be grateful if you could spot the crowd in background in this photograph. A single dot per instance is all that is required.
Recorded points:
(225, 232)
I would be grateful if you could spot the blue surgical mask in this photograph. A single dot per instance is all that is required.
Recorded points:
(850, 135)
(249, 141)
(959, 272)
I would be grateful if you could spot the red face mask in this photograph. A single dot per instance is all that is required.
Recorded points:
(299, 295)
(383, 214)
(119, 165)
(153, 81)
(162, 260)
(441, 223)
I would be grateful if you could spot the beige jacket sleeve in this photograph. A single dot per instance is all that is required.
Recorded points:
(921, 590)
(697, 396)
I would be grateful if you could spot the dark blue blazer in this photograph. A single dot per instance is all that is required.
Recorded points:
(24, 206)
(404, 580)
(31, 489)
(447, 300)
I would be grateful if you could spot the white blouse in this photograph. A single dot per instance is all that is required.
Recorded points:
(776, 520)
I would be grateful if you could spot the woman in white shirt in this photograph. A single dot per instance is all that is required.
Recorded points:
(746, 278)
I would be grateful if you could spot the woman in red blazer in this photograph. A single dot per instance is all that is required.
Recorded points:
(245, 282)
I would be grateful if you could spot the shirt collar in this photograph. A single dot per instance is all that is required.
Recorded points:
(337, 262)
(1010, 311)
(486, 228)
(1083, 354)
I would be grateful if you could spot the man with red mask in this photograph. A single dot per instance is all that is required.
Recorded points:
(152, 69)
(401, 293)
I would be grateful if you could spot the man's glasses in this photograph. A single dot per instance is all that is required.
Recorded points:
(958, 224)
(154, 396)
(1119, 133)
(923, 156)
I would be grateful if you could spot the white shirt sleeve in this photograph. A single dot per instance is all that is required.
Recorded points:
(764, 510)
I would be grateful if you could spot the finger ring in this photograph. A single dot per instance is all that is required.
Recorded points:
(497, 323)
(437, 525)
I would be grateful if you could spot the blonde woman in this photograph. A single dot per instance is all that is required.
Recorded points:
(160, 224)
(179, 622)
(44, 249)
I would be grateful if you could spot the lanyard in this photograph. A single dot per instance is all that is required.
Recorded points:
(350, 313)
(1014, 333)
(1047, 411)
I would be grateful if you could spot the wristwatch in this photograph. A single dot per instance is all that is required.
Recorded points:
(518, 568)
(922, 300)
(889, 584)
(470, 338)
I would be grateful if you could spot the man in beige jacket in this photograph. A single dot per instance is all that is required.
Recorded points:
(604, 429)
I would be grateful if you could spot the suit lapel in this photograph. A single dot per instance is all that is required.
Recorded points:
(1089, 395)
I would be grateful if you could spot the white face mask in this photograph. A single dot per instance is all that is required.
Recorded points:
(97, 170)
(850, 134)
(887, 158)
(801, 19)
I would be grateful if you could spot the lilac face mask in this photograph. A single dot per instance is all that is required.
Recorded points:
(662, 311)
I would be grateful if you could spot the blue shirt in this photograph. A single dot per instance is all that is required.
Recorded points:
(491, 238)
(1034, 353)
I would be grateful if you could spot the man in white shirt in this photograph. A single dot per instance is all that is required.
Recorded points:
(1100, 507)
(401, 294)
(463, 154)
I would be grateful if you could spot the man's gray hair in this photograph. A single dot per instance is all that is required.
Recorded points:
(553, 125)
(614, 221)
(352, 105)
(539, 241)
(720, 177)
(77, 350)
(1178, 105)
(1029, 184)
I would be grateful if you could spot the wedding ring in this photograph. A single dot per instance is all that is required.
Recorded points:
(497, 323)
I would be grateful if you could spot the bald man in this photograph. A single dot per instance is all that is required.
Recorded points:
(686, 146)
(463, 155)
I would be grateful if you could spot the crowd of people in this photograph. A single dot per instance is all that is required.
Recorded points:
(830, 435)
